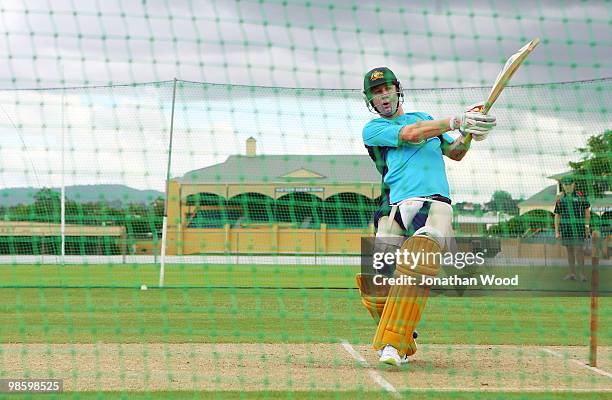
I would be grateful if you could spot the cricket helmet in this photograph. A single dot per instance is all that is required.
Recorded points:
(379, 76)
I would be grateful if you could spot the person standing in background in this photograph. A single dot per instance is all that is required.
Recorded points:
(572, 218)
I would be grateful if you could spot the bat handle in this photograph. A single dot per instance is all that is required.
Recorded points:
(481, 109)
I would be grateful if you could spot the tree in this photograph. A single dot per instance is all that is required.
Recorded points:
(467, 207)
(517, 226)
(502, 201)
(593, 172)
(21, 212)
(47, 205)
(158, 206)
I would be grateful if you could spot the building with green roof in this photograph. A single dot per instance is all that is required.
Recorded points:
(319, 202)
(545, 199)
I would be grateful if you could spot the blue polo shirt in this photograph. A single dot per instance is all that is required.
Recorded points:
(413, 169)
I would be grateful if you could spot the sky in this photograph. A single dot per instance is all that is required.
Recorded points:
(242, 48)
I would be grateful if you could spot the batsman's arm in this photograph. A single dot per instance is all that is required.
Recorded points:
(422, 130)
(457, 149)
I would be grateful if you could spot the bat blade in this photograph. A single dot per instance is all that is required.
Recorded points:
(510, 67)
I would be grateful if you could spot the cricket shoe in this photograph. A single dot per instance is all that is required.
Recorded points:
(403, 360)
(389, 355)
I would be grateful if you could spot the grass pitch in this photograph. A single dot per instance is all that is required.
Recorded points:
(277, 326)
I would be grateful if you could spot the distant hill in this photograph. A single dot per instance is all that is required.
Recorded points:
(113, 194)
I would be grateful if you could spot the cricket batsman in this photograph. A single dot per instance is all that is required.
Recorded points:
(408, 150)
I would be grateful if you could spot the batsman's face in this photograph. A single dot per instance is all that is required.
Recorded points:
(385, 99)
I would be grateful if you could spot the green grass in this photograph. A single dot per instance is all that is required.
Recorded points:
(50, 303)
(177, 275)
(315, 395)
(265, 304)
(247, 276)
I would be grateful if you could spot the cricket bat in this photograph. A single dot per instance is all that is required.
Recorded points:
(512, 65)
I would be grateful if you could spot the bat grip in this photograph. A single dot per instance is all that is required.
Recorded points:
(483, 109)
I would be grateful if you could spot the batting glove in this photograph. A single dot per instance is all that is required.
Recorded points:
(474, 123)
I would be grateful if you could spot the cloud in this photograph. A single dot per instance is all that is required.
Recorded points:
(120, 134)
(321, 45)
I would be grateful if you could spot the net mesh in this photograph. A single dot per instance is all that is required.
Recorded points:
(254, 157)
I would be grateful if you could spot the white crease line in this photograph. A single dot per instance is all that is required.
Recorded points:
(596, 370)
(376, 377)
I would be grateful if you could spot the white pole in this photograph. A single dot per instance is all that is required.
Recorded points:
(63, 190)
(162, 267)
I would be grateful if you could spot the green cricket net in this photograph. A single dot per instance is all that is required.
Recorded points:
(199, 236)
